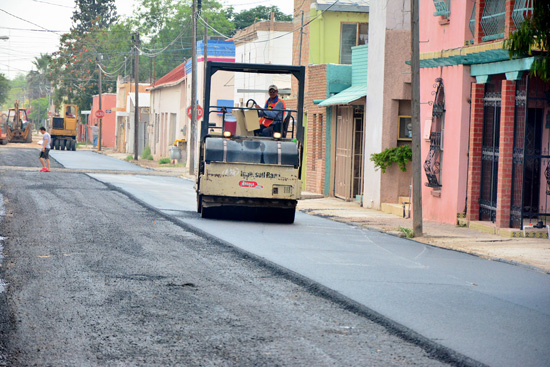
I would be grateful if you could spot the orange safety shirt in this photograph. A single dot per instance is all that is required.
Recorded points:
(264, 120)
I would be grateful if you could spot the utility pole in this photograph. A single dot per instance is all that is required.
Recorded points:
(193, 136)
(100, 86)
(301, 35)
(205, 56)
(136, 105)
(416, 153)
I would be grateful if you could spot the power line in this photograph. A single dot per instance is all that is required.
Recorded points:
(269, 39)
(45, 2)
(15, 16)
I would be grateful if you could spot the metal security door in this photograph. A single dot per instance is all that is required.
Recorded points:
(344, 153)
(490, 150)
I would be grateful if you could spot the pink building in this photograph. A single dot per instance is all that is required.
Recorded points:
(108, 123)
(485, 126)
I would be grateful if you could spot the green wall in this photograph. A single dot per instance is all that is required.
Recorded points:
(324, 34)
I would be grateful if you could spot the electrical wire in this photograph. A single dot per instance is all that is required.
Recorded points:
(269, 39)
(114, 73)
(15, 16)
(45, 2)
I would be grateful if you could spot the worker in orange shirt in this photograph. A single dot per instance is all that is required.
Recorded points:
(271, 121)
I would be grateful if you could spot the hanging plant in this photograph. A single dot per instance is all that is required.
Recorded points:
(400, 155)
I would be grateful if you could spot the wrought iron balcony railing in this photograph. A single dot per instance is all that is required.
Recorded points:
(432, 163)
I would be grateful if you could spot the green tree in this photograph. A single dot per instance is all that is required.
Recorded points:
(37, 82)
(17, 91)
(166, 27)
(39, 109)
(4, 88)
(74, 67)
(90, 13)
(248, 17)
(533, 38)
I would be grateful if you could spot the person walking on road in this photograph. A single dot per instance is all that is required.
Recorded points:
(95, 134)
(45, 152)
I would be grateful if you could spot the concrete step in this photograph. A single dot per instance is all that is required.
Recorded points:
(395, 209)
(489, 227)
(403, 199)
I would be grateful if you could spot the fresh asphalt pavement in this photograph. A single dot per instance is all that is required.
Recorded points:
(492, 312)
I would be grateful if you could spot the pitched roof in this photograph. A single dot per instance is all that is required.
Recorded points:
(172, 78)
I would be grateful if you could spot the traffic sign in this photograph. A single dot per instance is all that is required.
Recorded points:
(99, 114)
(200, 112)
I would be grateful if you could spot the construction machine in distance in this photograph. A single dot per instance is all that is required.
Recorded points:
(242, 175)
(64, 128)
(18, 128)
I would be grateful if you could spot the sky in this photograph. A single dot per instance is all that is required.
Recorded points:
(34, 27)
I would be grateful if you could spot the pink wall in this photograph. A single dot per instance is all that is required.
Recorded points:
(108, 123)
(439, 34)
(454, 159)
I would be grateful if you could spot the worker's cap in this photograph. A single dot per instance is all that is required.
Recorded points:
(273, 86)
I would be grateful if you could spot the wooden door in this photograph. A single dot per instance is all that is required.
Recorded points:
(344, 153)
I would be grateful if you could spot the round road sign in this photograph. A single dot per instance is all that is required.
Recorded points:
(99, 114)
(200, 111)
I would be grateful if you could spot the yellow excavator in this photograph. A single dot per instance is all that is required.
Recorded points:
(19, 129)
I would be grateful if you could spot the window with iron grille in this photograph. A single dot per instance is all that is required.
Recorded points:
(523, 9)
(442, 8)
(432, 164)
(493, 19)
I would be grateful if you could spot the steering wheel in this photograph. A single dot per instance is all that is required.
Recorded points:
(253, 103)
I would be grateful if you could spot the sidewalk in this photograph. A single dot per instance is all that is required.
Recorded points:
(531, 252)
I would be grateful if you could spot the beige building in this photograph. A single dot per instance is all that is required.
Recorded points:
(125, 115)
(168, 121)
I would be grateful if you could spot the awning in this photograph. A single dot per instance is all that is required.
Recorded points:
(346, 96)
(467, 55)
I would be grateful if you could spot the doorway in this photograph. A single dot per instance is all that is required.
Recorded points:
(349, 152)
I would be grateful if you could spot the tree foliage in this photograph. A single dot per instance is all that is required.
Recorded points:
(17, 91)
(166, 28)
(39, 109)
(249, 17)
(533, 38)
(4, 88)
(74, 67)
(98, 36)
(90, 13)
(37, 80)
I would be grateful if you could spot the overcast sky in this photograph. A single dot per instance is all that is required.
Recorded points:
(34, 27)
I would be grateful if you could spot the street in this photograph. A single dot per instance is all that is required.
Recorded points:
(127, 272)
(94, 278)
